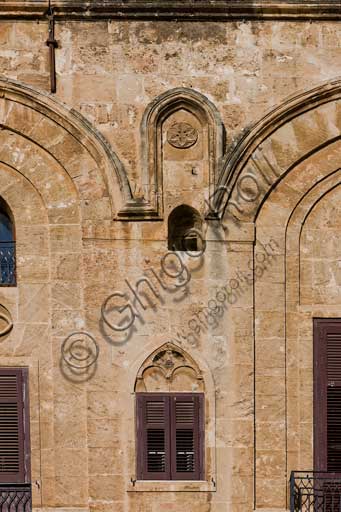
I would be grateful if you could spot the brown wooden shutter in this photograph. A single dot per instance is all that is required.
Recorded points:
(327, 395)
(153, 437)
(170, 436)
(187, 437)
(14, 435)
(334, 401)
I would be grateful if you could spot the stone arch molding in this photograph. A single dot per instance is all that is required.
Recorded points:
(287, 135)
(204, 113)
(176, 371)
(169, 368)
(88, 158)
(68, 138)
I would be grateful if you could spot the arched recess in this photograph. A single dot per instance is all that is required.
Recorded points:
(52, 166)
(179, 125)
(47, 302)
(27, 306)
(283, 172)
(69, 139)
(169, 368)
(293, 288)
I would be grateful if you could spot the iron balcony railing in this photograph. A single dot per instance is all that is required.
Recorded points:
(7, 264)
(15, 498)
(312, 491)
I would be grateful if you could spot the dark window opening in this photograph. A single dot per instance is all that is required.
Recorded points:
(7, 247)
(170, 436)
(185, 230)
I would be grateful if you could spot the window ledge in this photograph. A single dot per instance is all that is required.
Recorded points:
(171, 486)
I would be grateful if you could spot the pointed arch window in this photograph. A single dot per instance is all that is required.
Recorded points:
(7, 247)
(170, 417)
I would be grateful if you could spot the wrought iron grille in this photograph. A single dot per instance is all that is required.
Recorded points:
(312, 491)
(15, 498)
(7, 263)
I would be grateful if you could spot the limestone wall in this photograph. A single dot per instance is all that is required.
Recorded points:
(68, 191)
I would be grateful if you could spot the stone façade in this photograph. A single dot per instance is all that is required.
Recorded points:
(80, 174)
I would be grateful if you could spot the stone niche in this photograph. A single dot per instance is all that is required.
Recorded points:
(182, 139)
(184, 157)
(169, 369)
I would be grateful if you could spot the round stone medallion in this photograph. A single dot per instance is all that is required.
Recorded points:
(182, 135)
(6, 322)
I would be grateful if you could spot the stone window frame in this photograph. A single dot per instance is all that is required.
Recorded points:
(207, 386)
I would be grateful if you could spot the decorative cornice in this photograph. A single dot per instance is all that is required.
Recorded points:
(190, 10)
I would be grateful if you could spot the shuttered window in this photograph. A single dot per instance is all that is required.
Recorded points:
(14, 438)
(334, 402)
(327, 395)
(170, 436)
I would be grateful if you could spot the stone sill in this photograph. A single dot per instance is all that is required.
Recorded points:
(60, 509)
(174, 486)
(177, 9)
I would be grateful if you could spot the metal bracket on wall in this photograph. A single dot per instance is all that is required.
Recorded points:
(52, 44)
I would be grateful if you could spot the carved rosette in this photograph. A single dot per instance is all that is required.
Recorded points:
(182, 135)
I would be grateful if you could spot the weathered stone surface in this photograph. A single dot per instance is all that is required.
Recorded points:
(90, 176)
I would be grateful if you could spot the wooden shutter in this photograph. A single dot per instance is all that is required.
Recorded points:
(14, 454)
(187, 437)
(327, 395)
(153, 437)
(334, 402)
(170, 436)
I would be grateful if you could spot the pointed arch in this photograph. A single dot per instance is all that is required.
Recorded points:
(167, 361)
(207, 116)
(289, 290)
(67, 137)
(268, 150)
(163, 368)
